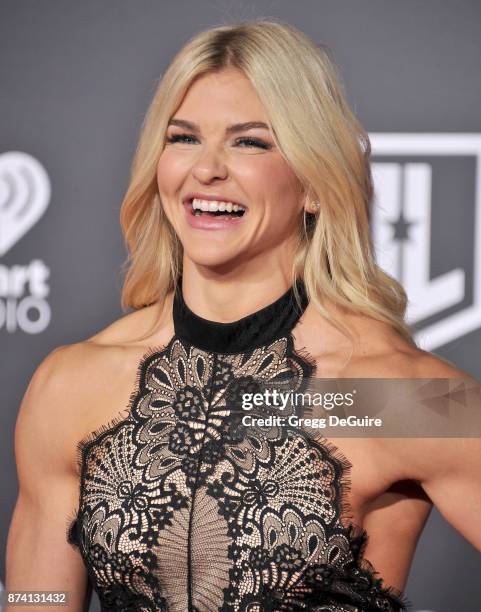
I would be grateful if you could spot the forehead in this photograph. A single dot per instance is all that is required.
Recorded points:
(224, 92)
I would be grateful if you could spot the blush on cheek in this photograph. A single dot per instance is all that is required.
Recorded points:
(166, 176)
(172, 171)
(285, 184)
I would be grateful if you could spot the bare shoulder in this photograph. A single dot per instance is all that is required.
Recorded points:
(387, 355)
(108, 352)
(48, 414)
(137, 327)
(103, 357)
(57, 396)
(410, 362)
(77, 386)
(381, 352)
(66, 368)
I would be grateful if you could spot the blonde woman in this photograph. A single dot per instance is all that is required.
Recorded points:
(246, 220)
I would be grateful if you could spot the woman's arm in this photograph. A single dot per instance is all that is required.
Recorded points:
(39, 558)
(449, 468)
(452, 479)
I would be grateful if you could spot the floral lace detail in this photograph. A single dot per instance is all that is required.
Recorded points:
(182, 507)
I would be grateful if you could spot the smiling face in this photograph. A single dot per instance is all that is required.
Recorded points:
(206, 155)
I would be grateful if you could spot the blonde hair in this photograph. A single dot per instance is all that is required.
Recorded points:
(320, 138)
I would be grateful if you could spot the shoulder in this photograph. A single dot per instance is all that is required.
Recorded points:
(380, 352)
(74, 381)
(136, 326)
(59, 388)
(387, 355)
(68, 363)
(393, 357)
(68, 367)
(403, 363)
(47, 417)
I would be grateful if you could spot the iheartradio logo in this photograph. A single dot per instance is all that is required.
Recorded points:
(24, 197)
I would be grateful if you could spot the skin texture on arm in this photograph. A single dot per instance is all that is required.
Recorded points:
(421, 472)
(448, 468)
(38, 554)
(453, 482)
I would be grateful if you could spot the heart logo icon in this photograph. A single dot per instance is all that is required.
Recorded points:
(24, 196)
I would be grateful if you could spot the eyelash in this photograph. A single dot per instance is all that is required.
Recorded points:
(254, 141)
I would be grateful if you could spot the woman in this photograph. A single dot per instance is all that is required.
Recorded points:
(250, 263)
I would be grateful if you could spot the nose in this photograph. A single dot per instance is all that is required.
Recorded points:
(209, 165)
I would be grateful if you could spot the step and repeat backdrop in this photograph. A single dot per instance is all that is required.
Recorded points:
(75, 81)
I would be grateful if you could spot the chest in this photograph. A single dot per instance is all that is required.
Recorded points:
(183, 494)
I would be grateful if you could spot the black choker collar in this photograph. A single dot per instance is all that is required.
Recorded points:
(256, 329)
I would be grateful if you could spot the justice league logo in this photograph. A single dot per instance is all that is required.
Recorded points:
(426, 228)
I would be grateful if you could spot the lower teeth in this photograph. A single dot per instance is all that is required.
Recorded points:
(197, 213)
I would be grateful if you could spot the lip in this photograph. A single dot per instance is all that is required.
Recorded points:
(208, 222)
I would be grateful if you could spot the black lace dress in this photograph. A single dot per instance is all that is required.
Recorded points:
(183, 508)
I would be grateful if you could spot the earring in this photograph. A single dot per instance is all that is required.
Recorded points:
(314, 208)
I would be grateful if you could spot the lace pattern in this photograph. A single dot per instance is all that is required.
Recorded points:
(183, 508)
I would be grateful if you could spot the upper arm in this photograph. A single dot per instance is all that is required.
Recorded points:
(449, 468)
(39, 556)
(452, 465)
(453, 483)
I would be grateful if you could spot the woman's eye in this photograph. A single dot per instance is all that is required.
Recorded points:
(253, 142)
(242, 142)
(179, 138)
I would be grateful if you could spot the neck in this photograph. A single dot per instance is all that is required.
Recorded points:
(261, 320)
(229, 298)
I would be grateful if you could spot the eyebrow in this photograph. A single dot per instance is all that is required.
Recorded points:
(231, 129)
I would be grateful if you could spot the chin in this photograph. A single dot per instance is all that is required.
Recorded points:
(213, 258)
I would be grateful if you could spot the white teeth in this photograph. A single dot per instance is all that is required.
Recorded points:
(214, 205)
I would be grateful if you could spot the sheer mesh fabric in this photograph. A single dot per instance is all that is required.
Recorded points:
(183, 508)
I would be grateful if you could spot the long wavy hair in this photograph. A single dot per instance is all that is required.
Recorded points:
(320, 138)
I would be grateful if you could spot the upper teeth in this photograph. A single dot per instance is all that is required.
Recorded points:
(214, 205)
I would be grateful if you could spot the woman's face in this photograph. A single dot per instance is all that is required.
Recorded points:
(207, 155)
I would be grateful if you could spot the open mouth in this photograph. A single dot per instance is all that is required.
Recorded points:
(214, 208)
